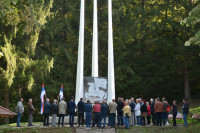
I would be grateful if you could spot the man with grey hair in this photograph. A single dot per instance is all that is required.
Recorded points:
(152, 111)
(132, 118)
(31, 110)
(47, 110)
(19, 110)
(54, 111)
(62, 111)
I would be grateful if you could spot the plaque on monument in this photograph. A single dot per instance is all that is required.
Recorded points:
(95, 89)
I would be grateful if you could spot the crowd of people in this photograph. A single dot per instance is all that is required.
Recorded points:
(129, 112)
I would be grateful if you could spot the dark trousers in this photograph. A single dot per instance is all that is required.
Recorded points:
(148, 119)
(154, 119)
(158, 118)
(61, 116)
(164, 117)
(71, 118)
(103, 118)
(120, 118)
(143, 121)
(80, 118)
(174, 119)
(88, 118)
(97, 119)
(112, 116)
(46, 119)
(30, 119)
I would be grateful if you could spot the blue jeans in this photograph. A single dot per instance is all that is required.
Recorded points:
(71, 118)
(127, 122)
(112, 119)
(120, 118)
(88, 118)
(185, 119)
(138, 120)
(104, 121)
(141, 120)
(18, 118)
(164, 114)
(109, 120)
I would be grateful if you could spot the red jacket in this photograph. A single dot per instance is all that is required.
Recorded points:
(97, 108)
(149, 110)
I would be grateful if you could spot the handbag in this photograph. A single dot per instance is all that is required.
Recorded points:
(144, 114)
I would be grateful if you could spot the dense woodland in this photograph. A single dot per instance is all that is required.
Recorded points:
(155, 48)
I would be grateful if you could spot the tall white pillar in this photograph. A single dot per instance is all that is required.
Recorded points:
(111, 74)
(95, 42)
(80, 63)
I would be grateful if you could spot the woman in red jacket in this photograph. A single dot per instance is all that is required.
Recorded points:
(148, 113)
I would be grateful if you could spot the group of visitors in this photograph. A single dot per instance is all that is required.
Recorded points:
(129, 112)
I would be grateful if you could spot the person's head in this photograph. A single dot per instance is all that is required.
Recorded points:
(119, 98)
(137, 100)
(151, 100)
(55, 101)
(140, 100)
(30, 100)
(104, 101)
(147, 103)
(126, 103)
(81, 99)
(132, 99)
(158, 99)
(21, 99)
(122, 99)
(184, 100)
(72, 98)
(163, 99)
(144, 101)
(174, 102)
(97, 102)
(88, 101)
(47, 100)
(113, 100)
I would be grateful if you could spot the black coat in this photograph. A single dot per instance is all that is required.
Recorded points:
(54, 108)
(185, 108)
(152, 108)
(81, 106)
(120, 106)
(132, 105)
(104, 110)
(143, 108)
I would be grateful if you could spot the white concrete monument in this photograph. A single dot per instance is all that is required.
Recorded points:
(80, 65)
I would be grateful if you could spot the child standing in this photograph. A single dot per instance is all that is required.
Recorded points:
(174, 112)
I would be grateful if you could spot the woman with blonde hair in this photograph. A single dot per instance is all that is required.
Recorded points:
(127, 114)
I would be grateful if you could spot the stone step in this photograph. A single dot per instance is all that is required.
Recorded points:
(92, 130)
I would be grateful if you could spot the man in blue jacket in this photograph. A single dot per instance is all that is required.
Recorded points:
(47, 111)
(104, 113)
(81, 105)
(185, 109)
(71, 107)
(88, 111)
(132, 118)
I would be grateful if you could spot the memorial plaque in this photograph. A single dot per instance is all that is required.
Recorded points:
(95, 89)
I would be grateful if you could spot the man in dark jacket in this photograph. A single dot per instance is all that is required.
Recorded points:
(88, 112)
(185, 109)
(31, 110)
(132, 118)
(164, 111)
(54, 111)
(104, 113)
(47, 111)
(81, 105)
(71, 106)
(120, 106)
(152, 111)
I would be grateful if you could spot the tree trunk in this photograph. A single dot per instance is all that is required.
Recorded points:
(187, 82)
(6, 102)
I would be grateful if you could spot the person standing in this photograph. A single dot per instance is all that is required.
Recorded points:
(127, 114)
(19, 110)
(113, 109)
(31, 110)
(185, 109)
(47, 110)
(62, 106)
(143, 110)
(120, 106)
(88, 112)
(80, 106)
(148, 113)
(54, 111)
(104, 113)
(137, 111)
(152, 111)
(97, 114)
(132, 117)
(164, 111)
(71, 108)
(174, 112)
(158, 107)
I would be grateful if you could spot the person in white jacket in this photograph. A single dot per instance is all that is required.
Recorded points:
(137, 112)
